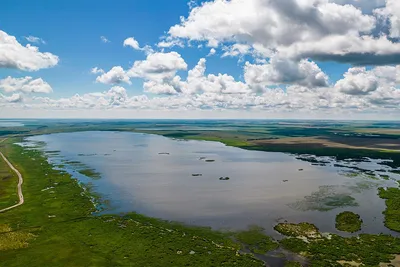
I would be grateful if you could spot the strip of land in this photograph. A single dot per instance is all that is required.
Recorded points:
(19, 186)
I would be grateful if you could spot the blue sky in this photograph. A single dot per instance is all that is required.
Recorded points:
(289, 59)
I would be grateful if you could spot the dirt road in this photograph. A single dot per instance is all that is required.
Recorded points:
(20, 181)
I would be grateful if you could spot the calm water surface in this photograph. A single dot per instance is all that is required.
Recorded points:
(135, 177)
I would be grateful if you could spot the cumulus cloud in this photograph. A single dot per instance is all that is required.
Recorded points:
(132, 43)
(34, 39)
(116, 75)
(13, 55)
(317, 29)
(14, 98)
(26, 85)
(360, 81)
(104, 39)
(393, 12)
(282, 71)
(158, 66)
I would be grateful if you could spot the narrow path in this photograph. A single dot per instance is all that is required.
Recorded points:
(20, 181)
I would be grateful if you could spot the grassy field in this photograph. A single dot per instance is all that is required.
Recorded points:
(55, 227)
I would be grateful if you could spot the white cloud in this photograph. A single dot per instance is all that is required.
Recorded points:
(316, 29)
(366, 5)
(158, 66)
(34, 39)
(282, 71)
(104, 39)
(212, 52)
(114, 76)
(96, 70)
(28, 58)
(132, 43)
(169, 42)
(393, 12)
(236, 50)
(14, 98)
(26, 85)
(360, 81)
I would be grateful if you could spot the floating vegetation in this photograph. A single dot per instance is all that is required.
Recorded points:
(292, 264)
(392, 212)
(90, 173)
(197, 174)
(86, 155)
(163, 153)
(325, 199)
(202, 158)
(254, 240)
(52, 151)
(348, 221)
(301, 170)
(210, 160)
(306, 230)
(224, 178)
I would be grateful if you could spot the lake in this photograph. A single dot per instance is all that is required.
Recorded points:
(153, 175)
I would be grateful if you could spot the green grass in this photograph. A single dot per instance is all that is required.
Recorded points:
(55, 227)
(256, 241)
(348, 221)
(392, 212)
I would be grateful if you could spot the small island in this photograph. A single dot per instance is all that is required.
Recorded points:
(348, 221)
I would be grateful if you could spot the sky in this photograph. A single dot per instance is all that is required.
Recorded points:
(261, 59)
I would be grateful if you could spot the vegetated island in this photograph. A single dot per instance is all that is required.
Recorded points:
(348, 221)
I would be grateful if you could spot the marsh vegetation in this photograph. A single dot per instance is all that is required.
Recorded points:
(348, 221)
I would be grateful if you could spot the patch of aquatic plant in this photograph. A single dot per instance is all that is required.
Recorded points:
(361, 186)
(255, 240)
(348, 221)
(292, 264)
(91, 173)
(86, 155)
(209, 160)
(392, 211)
(224, 178)
(334, 250)
(52, 151)
(306, 230)
(325, 199)
(197, 174)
